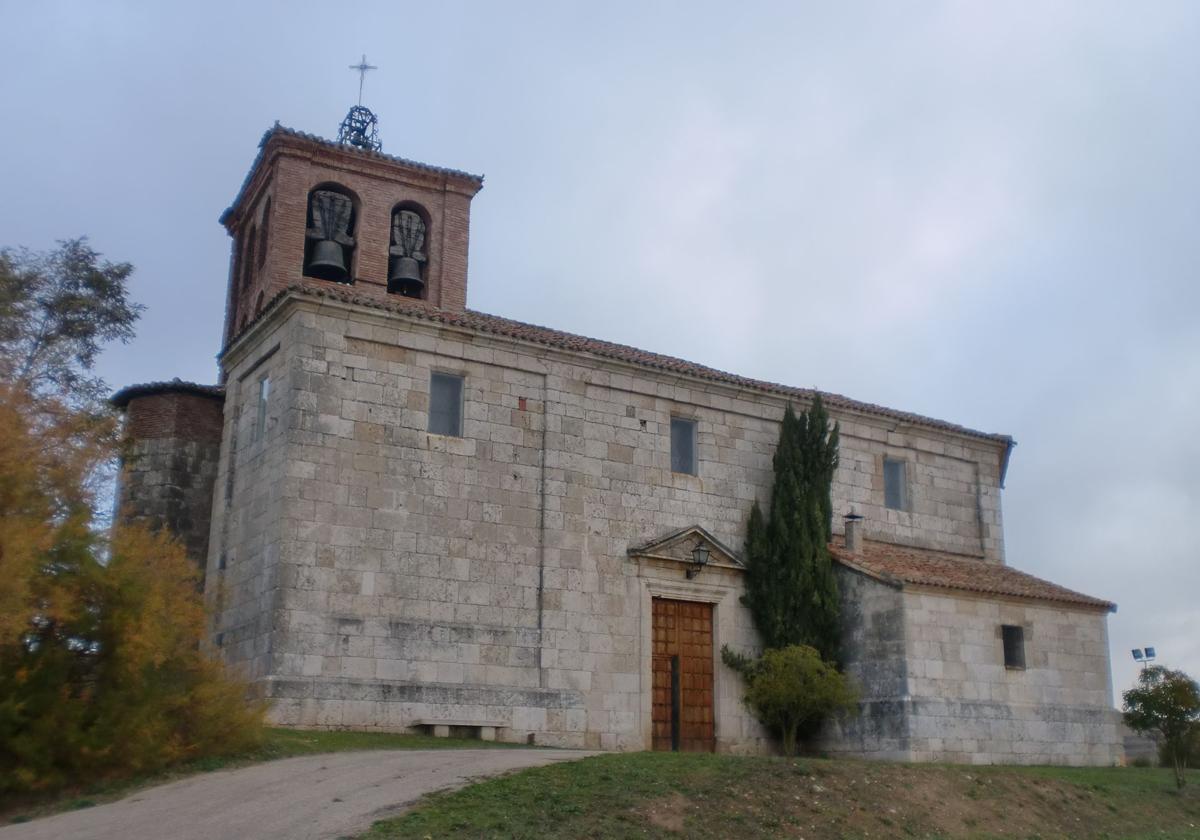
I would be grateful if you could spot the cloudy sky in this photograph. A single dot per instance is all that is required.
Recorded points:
(987, 213)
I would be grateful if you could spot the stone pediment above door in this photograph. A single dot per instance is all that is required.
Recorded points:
(678, 546)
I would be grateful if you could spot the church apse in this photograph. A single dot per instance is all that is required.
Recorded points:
(169, 464)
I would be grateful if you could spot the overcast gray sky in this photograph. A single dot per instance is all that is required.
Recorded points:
(987, 213)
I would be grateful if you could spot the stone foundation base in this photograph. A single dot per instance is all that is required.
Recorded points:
(551, 717)
(978, 732)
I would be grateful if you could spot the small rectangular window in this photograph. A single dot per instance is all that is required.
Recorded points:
(1014, 645)
(895, 484)
(260, 418)
(683, 446)
(445, 404)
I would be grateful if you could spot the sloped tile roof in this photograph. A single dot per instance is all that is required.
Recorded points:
(369, 153)
(176, 386)
(898, 565)
(497, 325)
(283, 130)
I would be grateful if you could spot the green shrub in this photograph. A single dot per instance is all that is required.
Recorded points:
(793, 688)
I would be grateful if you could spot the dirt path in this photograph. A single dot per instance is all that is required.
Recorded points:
(307, 798)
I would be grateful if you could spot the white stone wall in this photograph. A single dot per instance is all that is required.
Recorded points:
(953, 489)
(247, 512)
(967, 706)
(386, 575)
(934, 686)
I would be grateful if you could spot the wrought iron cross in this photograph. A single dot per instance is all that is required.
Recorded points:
(362, 67)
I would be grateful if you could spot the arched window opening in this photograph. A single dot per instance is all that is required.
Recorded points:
(262, 234)
(235, 276)
(406, 256)
(329, 239)
(248, 264)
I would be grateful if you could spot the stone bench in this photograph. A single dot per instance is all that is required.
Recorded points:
(486, 729)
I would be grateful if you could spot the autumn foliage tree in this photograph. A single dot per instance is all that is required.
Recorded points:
(101, 668)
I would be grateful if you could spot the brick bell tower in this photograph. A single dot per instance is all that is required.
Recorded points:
(310, 212)
(318, 212)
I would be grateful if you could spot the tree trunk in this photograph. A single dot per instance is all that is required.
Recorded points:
(789, 738)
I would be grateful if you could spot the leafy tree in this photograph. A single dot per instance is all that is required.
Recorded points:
(1191, 751)
(101, 670)
(789, 688)
(1167, 702)
(57, 310)
(790, 586)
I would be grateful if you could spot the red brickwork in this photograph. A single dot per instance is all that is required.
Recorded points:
(169, 466)
(288, 168)
(189, 417)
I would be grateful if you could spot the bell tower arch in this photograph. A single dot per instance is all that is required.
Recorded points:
(346, 215)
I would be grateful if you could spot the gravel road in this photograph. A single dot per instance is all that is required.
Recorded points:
(307, 798)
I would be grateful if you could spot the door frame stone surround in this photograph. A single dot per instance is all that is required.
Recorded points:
(652, 589)
(661, 572)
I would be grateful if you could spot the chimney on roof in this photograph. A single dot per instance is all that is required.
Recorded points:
(853, 532)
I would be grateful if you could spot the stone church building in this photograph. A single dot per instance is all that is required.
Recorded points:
(413, 514)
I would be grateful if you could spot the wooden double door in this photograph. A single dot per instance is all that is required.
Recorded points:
(682, 712)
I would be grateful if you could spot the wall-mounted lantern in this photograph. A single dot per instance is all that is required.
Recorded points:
(699, 560)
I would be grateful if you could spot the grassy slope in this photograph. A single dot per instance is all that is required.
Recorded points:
(714, 796)
(278, 743)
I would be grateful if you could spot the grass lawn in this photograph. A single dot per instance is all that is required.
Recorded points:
(279, 743)
(717, 796)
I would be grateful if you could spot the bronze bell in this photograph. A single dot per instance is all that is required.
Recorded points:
(404, 277)
(328, 261)
(330, 222)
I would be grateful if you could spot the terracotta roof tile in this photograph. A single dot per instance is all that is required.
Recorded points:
(900, 565)
(283, 130)
(569, 341)
(176, 386)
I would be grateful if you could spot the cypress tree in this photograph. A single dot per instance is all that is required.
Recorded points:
(819, 460)
(790, 587)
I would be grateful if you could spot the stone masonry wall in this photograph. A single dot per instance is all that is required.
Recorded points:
(386, 574)
(169, 465)
(247, 521)
(967, 706)
(873, 650)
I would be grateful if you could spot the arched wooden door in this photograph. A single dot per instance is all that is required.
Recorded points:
(682, 686)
